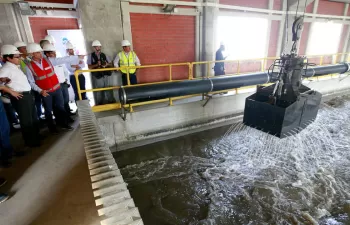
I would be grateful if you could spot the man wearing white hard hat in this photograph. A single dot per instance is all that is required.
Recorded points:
(42, 78)
(23, 103)
(126, 58)
(99, 60)
(22, 48)
(72, 68)
(63, 77)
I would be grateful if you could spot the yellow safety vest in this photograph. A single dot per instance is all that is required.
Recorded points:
(127, 61)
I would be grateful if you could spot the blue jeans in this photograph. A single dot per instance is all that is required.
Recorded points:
(5, 145)
(132, 76)
(65, 93)
(51, 102)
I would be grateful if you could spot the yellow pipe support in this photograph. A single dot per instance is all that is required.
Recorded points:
(171, 101)
(100, 89)
(101, 108)
(76, 74)
(128, 76)
(170, 75)
(208, 70)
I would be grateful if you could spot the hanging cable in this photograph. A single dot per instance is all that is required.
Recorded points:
(286, 29)
(296, 11)
(305, 8)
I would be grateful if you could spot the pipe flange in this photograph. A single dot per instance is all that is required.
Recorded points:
(348, 64)
(212, 85)
(124, 95)
(313, 72)
(268, 78)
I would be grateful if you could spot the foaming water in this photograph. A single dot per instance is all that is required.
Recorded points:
(239, 175)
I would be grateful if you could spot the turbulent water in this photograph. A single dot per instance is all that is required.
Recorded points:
(239, 175)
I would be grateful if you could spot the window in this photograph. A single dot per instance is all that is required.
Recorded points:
(244, 37)
(324, 38)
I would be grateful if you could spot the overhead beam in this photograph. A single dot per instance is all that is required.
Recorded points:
(240, 8)
(51, 5)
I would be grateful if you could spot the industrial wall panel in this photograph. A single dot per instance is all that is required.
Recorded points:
(159, 39)
(40, 25)
(330, 8)
(263, 4)
(53, 1)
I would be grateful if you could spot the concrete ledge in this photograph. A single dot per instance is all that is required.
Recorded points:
(112, 196)
(154, 124)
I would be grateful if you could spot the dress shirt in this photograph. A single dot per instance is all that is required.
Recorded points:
(62, 73)
(19, 81)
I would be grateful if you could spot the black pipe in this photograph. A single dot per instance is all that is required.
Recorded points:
(324, 70)
(174, 89)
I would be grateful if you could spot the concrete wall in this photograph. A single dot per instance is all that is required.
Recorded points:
(9, 31)
(101, 20)
(154, 123)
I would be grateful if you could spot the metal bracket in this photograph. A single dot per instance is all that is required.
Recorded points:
(124, 112)
(208, 99)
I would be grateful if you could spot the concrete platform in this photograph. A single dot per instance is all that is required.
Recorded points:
(50, 185)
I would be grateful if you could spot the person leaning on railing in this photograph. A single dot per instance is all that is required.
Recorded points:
(101, 79)
(127, 57)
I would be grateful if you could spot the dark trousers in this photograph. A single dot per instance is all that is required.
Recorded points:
(38, 104)
(5, 145)
(73, 82)
(65, 93)
(27, 114)
(11, 114)
(103, 97)
(55, 101)
(132, 76)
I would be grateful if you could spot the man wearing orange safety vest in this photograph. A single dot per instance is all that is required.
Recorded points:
(42, 78)
(125, 58)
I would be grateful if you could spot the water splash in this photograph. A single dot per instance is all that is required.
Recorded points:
(245, 176)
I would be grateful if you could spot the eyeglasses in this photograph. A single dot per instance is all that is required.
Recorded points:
(16, 57)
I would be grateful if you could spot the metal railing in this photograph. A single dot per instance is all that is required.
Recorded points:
(206, 66)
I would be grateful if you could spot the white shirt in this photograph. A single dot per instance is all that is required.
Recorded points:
(54, 62)
(62, 73)
(136, 59)
(72, 70)
(19, 81)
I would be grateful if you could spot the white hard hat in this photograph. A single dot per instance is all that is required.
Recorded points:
(19, 44)
(9, 50)
(50, 39)
(69, 45)
(34, 47)
(125, 43)
(222, 43)
(96, 43)
(49, 48)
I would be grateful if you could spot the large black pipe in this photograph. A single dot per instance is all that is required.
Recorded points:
(189, 87)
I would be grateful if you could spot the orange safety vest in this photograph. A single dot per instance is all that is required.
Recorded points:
(46, 78)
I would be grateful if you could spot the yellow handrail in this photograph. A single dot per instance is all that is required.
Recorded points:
(190, 65)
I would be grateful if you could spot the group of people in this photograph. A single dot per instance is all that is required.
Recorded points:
(32, 77)
(103, 79)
